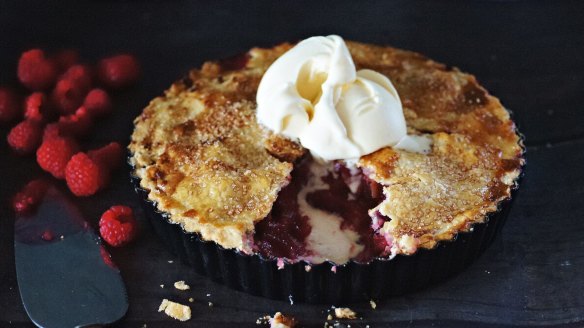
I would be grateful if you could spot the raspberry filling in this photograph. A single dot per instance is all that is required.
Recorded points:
(323, 215)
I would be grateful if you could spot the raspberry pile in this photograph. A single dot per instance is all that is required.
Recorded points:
(65, 99)
(52, 112)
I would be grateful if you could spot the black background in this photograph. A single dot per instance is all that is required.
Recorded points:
(530, 54)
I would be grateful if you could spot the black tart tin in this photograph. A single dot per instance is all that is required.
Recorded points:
(352, 282)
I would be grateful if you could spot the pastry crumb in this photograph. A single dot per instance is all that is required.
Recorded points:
(281, 321)
(307, 268)
(373, 304)
(161, 286)
(181, 285)
(210, 304)
(334, 269)
(191, 300)
(329, 317)
(345, 313)
(170, 262)
(175, 310)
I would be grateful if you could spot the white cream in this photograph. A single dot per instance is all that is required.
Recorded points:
(314, 94)
(326, 241)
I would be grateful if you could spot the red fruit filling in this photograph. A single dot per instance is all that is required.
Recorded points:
(350, 195)
(284, 231)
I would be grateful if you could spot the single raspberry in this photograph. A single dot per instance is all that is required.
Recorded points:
(118, 71)
(67, 96)
(9, 105)
(26, 200)
(88, 173)
(98, 102)
(35, 71)
(25, 137)
(84, 177)
(54, 153)
(66, 58)
(118, 226)
(77, 124)
(36, 107)
(80, 75)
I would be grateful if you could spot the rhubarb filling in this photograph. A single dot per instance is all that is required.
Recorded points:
(323, 214)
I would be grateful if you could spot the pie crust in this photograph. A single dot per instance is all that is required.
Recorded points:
(205, 161)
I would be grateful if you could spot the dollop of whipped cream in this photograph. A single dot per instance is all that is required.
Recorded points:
(314, 94)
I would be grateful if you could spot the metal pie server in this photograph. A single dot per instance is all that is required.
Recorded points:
(65, 276)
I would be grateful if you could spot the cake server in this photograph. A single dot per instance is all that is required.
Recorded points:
(65, 276)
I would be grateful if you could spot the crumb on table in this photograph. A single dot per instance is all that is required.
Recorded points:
(181, 285)
(281, 321)
(175, 310)
(345, 313)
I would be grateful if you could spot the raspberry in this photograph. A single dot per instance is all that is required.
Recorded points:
(36, 107)
(9, 105)
(88, 173)
(77, 124)
(67, 96)
(26, 200)
(80, 75)
(84, 176)
(97, 102)
(66, 58)
(118, 226)
(25, 137)
(35, 71)
(54, 153)
(118, 71)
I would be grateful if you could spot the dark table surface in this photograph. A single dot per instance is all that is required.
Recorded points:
(530, 54)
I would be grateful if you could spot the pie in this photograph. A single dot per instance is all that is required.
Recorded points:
(210, 167)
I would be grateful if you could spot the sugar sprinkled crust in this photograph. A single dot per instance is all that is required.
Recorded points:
(202, 157)
(206, 162)
(475, 160)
